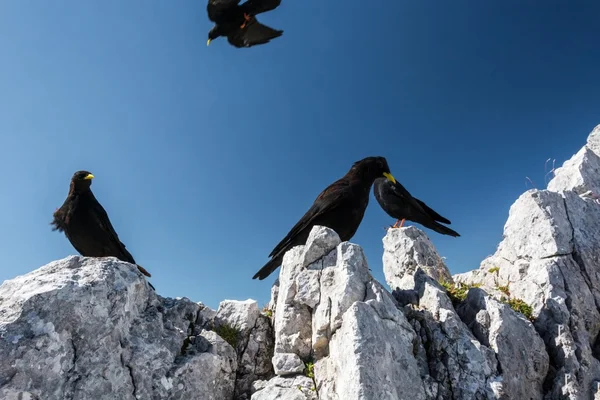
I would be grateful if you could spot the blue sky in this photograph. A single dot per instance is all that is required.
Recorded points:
(205, 157)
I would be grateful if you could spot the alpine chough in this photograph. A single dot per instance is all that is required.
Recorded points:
(398, 203)
(340, 206)
(238, 22)
(85, 223)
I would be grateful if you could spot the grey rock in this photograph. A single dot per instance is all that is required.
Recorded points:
(520, 351)
(283, 388)
(91, 328)
(287, 364)
(255, 342)
(453, 363)
(550, 258)
(350, 316)
(405, 250)
(321, 241)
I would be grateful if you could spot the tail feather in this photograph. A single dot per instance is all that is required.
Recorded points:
(269, 267)
(143, 271)
(444, 230)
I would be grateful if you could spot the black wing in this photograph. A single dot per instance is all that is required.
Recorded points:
(254, 33)
(328, 200)
(216, 7)
(432, 213)
(101, 218)
(400, 191)
(254, 7)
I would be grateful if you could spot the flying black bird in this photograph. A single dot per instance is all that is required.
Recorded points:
(340, 206)
(85, 223)
(238, 22)
(398, 203)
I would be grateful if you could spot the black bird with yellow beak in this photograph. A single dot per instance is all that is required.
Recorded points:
(341, 207)
(398, 203)
(85, 223)
(238, 22)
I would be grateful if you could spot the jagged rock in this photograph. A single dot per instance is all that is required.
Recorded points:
(520, 351)
(280, 388)
(453, 363)
(580, 173)
(334, 311)
(91, 328)
(254, 342)
(550, 259)
(287, 364)
(405, 250)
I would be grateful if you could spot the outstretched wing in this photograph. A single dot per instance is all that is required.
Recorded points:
(216, 7)
(254, 7)
(253, 34)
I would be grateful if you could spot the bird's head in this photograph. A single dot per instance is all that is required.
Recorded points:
(81, 180)
(212, 35)
(371, 168)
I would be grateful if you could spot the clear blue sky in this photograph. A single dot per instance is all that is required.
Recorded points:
(205, 157)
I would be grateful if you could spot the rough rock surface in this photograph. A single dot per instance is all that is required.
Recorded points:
(405, 250)
(82, 328)
(332, 313)
(85, 328)
(550, 259)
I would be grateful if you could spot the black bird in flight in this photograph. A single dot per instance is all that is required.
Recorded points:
(340, 206)
(398, 203)
(85, 223)
(238, 22)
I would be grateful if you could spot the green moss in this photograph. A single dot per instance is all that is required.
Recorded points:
(230, 334)
(309, 369)
(504, 289)
(458, 291)
(520, 306)
(494, 270)
(267, 311)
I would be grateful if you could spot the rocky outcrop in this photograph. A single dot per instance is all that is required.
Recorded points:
(84, 328)
(550, 259)
(525, 325)
(331, 314)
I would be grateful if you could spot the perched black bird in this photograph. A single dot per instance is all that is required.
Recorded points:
(238, 22)
(340, 206)
(398, 203)
(85, 223)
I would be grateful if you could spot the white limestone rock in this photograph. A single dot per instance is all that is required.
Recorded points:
(91, 328)
(405, 250)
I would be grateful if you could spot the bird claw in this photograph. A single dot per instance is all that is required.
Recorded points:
(246, 20)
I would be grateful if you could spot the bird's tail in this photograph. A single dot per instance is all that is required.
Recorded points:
(143, 271)
(444, 230)
(269, 267)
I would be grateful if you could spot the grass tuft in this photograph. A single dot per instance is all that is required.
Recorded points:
(458, 291)
(230, 334)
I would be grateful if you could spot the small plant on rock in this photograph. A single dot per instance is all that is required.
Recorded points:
(521, 307)
(457, 291)
(504, 289)
(494, 270)
(228, 333)
(267, 311)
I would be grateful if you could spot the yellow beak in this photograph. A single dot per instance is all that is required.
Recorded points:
(389, 177)
(89, 176)
(208, 42)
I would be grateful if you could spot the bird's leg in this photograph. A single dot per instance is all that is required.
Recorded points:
(401, 223)
(246, 20)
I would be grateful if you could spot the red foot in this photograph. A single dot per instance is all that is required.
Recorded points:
(246, 20)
